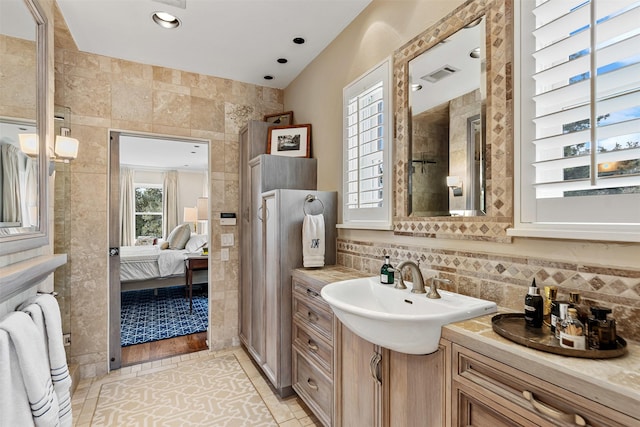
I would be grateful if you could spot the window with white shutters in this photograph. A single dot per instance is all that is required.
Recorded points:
(579, 115)
(366, 170)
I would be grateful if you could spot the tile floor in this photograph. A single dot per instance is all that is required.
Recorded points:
(199, 389)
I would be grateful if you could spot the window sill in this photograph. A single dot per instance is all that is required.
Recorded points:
(365, 226)
(552, 231)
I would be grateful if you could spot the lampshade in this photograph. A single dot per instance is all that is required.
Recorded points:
(190, 215)
(66, 147)
(29, 143)
(203, 208)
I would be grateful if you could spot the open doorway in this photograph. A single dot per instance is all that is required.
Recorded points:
(158, 247)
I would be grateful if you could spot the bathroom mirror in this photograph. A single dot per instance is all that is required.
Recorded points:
(469, 173)
(446, 97)
(23, 115)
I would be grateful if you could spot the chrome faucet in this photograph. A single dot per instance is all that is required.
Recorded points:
(416, 277)
(433, 289)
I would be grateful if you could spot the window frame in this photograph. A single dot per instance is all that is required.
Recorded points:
(526, 223)
(370, 218)
(137, 185)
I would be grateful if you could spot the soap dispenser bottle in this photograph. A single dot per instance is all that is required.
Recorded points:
(386, 272)
(533, 307)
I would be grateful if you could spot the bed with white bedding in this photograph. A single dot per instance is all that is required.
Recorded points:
(148, 267)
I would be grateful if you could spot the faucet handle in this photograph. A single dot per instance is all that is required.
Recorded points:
(433, 289)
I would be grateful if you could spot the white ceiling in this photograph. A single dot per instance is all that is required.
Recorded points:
(234, 39)
(163, 154)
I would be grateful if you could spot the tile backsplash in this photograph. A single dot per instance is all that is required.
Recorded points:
(504, 279)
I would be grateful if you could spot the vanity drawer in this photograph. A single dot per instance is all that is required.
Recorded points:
(314, 318)
(314, 347)
(310, 293)
(313, 386)
(515, 392)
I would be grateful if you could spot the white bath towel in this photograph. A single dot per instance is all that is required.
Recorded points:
(34, 367)
(45, 313)
(313, 241)
(14, 403)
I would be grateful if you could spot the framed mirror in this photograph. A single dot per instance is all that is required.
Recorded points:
(453, 161)
(24, 109)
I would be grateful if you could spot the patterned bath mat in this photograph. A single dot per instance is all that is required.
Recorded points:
(146, 317)
(212, 391)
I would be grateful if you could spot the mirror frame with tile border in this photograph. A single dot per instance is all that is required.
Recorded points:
(499, 127)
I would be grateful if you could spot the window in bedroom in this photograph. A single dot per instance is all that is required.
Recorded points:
(579, 119)
(367, 150)
(148, 210)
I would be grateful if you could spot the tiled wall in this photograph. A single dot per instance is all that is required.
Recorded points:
(105, 93)
(504, 279)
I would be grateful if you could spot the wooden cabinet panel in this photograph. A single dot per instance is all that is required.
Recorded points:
(359, 393)
(416, 389)
(317, 319)
(316, 348)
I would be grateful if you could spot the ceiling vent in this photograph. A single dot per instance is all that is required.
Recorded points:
(439, 74)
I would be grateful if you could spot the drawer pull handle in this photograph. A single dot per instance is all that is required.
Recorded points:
(553, 413)
(312, 293)
(312, 345)
(312, 316)
(312, 384)
(374, 366)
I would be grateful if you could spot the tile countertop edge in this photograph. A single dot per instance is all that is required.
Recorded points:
(618, 377)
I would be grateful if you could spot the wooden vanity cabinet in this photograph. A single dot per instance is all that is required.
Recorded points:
(486, 392)
(380, 387)
(312, 347)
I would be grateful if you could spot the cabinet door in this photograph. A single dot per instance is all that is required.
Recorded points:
(257, 267)
(417, 389)
(359, 393)
(245, 241)
(271, 288)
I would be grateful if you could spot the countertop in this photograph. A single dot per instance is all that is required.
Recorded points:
(612, 382)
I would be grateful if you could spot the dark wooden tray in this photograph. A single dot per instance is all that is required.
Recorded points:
(513, 327)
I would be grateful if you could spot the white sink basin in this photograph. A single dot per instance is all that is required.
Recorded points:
(398, 319)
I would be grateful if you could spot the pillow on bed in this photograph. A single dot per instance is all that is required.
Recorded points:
(179, 236)
(144, 241)
(196, 242)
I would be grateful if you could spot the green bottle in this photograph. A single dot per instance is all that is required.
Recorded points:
(386, 272)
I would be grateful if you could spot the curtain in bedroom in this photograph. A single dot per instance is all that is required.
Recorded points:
(127, 207)
(11, 211)
(169, 202)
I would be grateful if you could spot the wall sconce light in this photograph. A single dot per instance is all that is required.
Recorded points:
(66, 147)
(455, 184)
(29, 143)
(191, 215)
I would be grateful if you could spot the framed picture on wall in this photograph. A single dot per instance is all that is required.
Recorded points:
(290, 141)
(280, 119)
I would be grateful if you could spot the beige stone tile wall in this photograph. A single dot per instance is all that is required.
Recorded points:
(504, 279)
(107, 93)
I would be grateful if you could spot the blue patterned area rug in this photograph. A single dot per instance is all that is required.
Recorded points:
(146, 317)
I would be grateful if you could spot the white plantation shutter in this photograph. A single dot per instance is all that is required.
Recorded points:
(580, 64)
(367, 150)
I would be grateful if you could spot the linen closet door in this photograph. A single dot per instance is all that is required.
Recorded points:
(271, 286)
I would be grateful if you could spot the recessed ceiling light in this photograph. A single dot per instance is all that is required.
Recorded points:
(282, 60)
(475, 53)
(298, 40)
(165, 20)
(268, 77)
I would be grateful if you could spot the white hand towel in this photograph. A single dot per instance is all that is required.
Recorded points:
(14, 402)
(313, 241)
(45, 313)
(34, 367)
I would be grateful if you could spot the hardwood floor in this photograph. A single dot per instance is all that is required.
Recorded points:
(150, 351)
